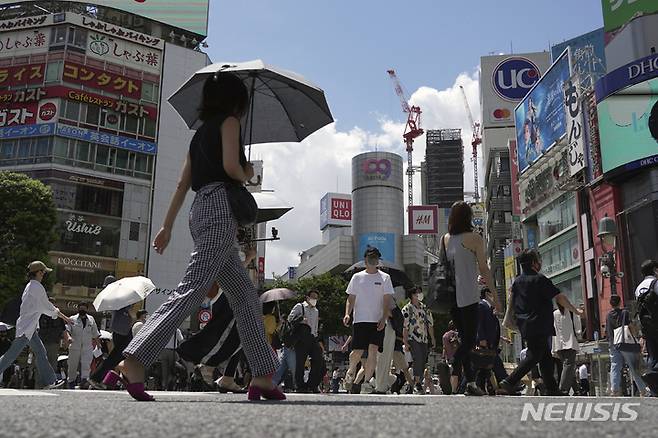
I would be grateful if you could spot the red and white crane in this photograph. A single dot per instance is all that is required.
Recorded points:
(475, 142)
(412, 130)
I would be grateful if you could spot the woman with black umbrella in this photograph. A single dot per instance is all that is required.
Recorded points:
(216, 159)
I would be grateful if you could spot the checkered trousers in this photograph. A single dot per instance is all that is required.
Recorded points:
(215, 257)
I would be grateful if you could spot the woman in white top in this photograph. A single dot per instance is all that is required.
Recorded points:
(465, 251)
(565, 345)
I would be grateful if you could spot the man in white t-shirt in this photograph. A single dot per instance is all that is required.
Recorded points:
(583, 375)
(650, 273)
(369, 297)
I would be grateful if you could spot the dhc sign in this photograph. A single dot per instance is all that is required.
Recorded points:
(514, 77)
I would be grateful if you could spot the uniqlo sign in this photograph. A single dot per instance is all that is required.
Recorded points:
(423, 219)
(336, 210)
(341, 209)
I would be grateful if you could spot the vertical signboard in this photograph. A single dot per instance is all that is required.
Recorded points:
(335, 210)
(575, 125)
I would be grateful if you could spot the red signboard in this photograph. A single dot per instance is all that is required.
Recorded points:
(27, 113)
(17, 75)
(102, 80)
(341, 209)
(261, 268)
(119, 106)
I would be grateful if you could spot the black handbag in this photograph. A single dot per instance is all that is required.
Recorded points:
(242, 202)
(483, 358)
(442, 296)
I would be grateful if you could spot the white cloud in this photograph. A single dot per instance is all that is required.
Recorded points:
(302, 173)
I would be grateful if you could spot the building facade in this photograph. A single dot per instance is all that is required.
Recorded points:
(81, 88)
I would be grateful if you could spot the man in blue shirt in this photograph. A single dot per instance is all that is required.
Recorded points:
(532, 298)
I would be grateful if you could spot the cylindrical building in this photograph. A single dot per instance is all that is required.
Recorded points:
(378, 205)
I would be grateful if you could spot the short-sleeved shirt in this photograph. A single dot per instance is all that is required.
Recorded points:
(645, 285)
(418, 321)
(533, 295)
(369, 290)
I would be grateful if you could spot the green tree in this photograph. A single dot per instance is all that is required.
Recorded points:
(27, 229)
(331, 304)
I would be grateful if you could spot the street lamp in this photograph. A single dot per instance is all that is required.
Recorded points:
(608, 236)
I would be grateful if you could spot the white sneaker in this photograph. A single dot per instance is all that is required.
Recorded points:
(59, 384)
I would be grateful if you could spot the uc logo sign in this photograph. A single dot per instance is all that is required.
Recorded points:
(514, 77)
(377, 169)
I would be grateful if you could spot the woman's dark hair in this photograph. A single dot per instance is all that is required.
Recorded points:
(460, 219)
(141, 313)
(560, 307)
(224, 93)
(269, 307)
(412, 290)
(615, 300)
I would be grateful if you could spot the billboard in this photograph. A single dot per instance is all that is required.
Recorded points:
(423, 219)
(103, 80)
(191, 15)
(122, 52)
(384, 242)
(587, 53)
(335, 210)
(540, 118)
(616, 13)
(29, 113)
(22, 75)
(504, 81)
(628, 127)
(24, 42)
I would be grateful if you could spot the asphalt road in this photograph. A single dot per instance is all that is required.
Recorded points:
(33, 414)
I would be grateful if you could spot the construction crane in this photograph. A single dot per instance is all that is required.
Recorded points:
(412, 130)
(475, 142)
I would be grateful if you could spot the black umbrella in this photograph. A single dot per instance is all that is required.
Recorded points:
(398, 277)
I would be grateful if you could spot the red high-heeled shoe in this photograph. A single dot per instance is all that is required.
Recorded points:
(255, 393)
(136, 390)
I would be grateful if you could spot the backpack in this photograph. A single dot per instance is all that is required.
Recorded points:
(289, 332)
(441, 295)
(647, 311)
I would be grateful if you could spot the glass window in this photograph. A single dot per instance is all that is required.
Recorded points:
(558, 216)
(148, 127)
(61, 147)
(79, 37)
(147, 91)
(58, 36)
(93, 113)
(560, 257)
(141, 163)
(72, 110)
(24, 148)
(82, 151)
(88, 234)
(102, 154)
(54, 71)
(122, 159)
(7, 150)
(131, 124)
(109, 119)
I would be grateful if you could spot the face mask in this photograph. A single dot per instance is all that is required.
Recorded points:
(421, 296)
(372, 261)
(313, 302)
(82, 312)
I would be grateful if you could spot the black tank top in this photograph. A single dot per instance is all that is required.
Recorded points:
(206, 154)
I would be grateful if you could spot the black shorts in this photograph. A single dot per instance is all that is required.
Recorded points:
(398, 346)
(365, 334)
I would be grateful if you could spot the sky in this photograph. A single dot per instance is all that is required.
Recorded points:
(345, 47)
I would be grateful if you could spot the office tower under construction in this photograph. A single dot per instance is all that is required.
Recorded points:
(444, 161)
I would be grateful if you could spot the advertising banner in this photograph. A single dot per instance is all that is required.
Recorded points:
(21, 75)
(191, 15)
(37, 130)
(514, 171)
(24, 42)
(573, 108)
(25, 22)
(29, 113)
(505, 80)
(126, 53)
(540, 118)
(628, 127)
(628, 75)
(335, 210)
(114, 30)
(118, 141)
(616, 13)
(102, 80)
(423, 219)
(384, 242)
(587, 54)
